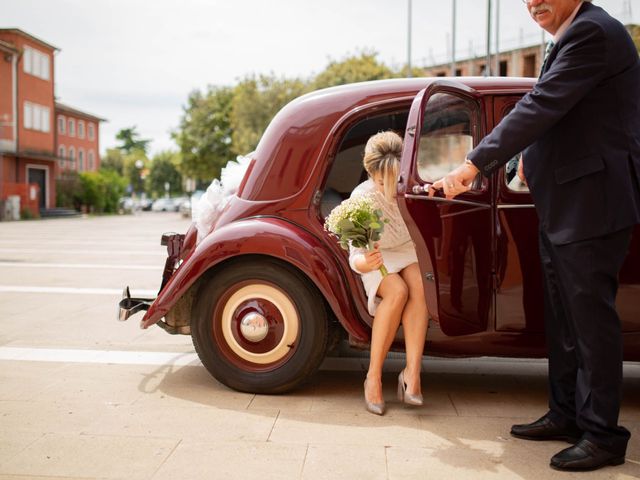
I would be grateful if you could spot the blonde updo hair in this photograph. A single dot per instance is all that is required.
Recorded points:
(382, 155)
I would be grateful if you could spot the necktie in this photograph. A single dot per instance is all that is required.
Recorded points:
(547, 50)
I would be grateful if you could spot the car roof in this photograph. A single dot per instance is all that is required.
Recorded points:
(297, 133)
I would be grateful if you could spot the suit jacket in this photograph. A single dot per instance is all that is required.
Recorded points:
(581, 124)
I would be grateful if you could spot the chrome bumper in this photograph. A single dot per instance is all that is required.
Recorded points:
(130, 306)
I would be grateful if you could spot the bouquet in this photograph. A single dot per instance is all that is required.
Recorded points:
(357, 222)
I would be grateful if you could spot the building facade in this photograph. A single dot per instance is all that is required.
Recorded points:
(77, 141)
(30, 150)
(521, 62)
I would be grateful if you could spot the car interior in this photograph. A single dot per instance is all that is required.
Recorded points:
(347, 171)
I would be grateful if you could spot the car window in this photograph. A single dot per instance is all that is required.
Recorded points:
(347, 171)
(511, 178)
(447, 135)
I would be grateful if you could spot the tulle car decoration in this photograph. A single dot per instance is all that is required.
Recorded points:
(266, 293)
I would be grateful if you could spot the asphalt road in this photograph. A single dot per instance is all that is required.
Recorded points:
(85, 396)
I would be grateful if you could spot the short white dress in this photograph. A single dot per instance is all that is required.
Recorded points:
(396, 246)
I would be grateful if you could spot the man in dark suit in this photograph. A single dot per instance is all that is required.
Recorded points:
(581, 128)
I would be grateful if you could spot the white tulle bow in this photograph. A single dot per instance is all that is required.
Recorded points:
(205, 212)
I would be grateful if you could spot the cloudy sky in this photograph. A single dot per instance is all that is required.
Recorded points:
(134, 62)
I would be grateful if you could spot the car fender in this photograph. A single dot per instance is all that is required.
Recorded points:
(268, 236)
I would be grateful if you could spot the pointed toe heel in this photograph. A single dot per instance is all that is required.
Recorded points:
(375, 408)
(406, 397)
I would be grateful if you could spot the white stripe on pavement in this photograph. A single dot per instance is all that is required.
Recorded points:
(80, 265)
(74, 290)
(84, 252)
(97, 356)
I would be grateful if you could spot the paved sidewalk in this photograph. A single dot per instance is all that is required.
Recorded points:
(83, 396)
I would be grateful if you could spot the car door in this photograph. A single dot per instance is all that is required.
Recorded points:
(453, 237)
(519, 297)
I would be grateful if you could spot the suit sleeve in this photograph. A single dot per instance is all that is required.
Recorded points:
(578, 67)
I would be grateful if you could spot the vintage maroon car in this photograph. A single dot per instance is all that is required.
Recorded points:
(268, 292)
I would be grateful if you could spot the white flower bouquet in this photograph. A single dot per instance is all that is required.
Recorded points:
(356, 222)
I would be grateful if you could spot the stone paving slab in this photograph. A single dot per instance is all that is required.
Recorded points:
(91, 456)
(230, 460)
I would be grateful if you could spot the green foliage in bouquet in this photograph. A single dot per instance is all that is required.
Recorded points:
(356, 222)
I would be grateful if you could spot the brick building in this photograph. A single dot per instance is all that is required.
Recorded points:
(520, 62)
(77, 141)
(31, 156)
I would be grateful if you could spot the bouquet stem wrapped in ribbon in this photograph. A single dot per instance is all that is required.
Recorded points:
(357, 222)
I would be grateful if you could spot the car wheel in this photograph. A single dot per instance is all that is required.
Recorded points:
(259, 327)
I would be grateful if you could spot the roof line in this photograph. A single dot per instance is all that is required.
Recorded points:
(29, 36)
(70, 109)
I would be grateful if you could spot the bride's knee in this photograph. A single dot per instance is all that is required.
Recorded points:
(397, 292)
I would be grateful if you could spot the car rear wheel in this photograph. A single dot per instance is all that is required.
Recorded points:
(259, 327)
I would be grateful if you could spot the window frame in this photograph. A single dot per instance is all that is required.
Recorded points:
(62, 125)
(81, 159)
(36, 117)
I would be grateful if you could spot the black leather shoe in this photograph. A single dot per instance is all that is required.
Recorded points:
(545, 429)
(584, 456)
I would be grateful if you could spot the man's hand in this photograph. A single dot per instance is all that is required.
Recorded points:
(457, 181)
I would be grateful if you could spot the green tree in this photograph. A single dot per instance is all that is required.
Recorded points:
(634, 31)
(135, 167)
(113, 160)
(99, 192)
(354, 68)
(205, 135)
(131, 140)
(255, 101)
(164, 170)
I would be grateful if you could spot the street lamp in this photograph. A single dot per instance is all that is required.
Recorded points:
(453, 39)
(487, 68)
(409, 40)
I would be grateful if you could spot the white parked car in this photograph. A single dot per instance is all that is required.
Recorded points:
(163, 205)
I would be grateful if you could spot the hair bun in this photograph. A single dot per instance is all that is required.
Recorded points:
(383, 144)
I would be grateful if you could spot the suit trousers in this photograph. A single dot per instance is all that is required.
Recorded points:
(584, 335)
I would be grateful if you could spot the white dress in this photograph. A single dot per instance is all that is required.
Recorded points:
(396, 246)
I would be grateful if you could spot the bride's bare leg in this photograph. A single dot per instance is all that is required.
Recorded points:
(414, 325)
(393, 291)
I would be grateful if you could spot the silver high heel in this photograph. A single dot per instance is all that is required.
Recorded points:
(406, 397)
(375, 408)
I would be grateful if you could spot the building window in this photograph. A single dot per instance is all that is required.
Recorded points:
(80, 128)
(61, 124)
(62, 153)
(36, 63)
(72, 158)
(91, 131)
(72, 127)
(503, 68)
(529, 68)
(36, 117)
(91, 159)
(80, 160)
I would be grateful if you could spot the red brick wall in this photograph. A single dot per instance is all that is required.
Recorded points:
(6, 98)
(76, 141)
(36, 90)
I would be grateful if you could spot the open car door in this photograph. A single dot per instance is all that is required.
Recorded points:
(453, 237)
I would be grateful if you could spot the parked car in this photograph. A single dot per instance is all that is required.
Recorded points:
(163, 205)
(268, 291)
(126, 205)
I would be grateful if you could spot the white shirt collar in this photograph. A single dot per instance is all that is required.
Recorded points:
(566, 23)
